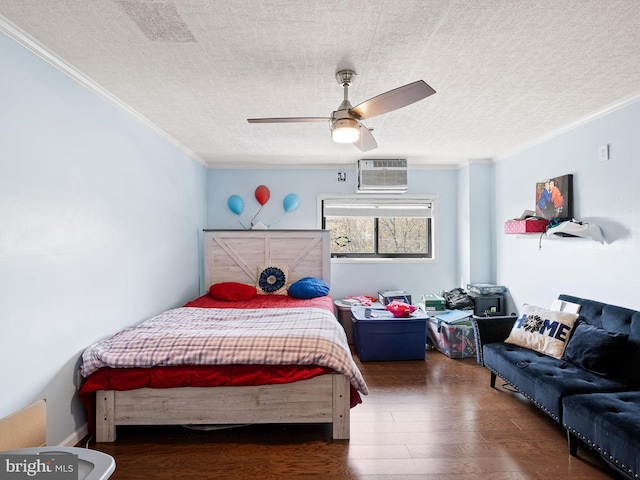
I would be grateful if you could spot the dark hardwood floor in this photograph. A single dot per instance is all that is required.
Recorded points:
(432, 419)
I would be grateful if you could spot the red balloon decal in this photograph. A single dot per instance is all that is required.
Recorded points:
(262, 194)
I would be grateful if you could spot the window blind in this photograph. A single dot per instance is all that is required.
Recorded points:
(379, 208)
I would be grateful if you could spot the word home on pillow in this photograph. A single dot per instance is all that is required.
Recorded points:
(542, 330)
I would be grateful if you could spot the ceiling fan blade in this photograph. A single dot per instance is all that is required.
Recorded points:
(366, 141)
(288, 120)
(393, 99)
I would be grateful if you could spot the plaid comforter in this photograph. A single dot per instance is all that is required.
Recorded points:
(213, 336)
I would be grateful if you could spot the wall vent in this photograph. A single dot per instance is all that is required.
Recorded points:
(382, 175)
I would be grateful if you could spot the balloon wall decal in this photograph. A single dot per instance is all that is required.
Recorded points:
(262, 195)
(290, 202)
(235, 204)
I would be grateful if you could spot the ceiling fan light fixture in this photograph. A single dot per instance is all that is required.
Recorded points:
(344, 122)
(345, 130)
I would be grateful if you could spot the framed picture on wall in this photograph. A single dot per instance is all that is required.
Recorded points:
(554, 197)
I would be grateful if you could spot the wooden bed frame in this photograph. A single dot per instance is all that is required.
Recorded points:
(236, 256)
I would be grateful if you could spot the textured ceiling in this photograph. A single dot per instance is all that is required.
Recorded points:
(506, 73)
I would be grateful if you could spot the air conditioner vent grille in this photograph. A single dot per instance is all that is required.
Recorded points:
(382, 175)
(381, 178)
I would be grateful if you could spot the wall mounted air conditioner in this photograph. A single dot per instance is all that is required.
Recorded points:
(382, 175)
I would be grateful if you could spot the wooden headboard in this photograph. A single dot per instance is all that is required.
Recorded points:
(236, 255)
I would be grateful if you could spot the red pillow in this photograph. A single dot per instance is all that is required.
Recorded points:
(232, 291)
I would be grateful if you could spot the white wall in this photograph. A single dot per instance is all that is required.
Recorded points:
(605, 194)
(347, 279)
(100, 224)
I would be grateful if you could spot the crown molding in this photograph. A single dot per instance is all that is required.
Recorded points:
(625, 102)
(24, 39)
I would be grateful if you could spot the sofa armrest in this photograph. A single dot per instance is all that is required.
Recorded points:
(491, 330)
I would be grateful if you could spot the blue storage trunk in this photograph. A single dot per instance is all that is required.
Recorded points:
(382, 337)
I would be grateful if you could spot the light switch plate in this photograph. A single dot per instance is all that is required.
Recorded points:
(603, 153)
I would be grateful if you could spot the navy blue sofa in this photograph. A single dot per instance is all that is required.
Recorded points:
(594, 394)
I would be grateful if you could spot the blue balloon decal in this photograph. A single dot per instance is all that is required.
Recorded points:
(235, 204)
(290, 202)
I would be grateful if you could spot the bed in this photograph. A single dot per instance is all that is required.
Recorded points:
(231, 387)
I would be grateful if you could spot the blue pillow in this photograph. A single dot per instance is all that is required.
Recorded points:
(308, 287)
(596, 350)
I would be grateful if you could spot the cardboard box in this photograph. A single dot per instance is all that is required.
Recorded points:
(455, 341)
(385, 297)
(525, 226)
(433, 302)
(382, 337)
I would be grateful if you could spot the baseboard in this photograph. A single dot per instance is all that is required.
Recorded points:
(76, 437)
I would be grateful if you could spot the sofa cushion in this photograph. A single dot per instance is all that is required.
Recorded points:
(595, 418)
(542, 330)
(596, 349)
(543, 379)
(615, 319)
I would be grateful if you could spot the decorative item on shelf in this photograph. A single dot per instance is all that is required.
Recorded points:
(526, 223)
(554, 197)
(573, 228)
(553, 214)
(262, 195)
(530, 225)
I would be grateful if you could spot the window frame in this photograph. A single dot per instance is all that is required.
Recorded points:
(390, 198)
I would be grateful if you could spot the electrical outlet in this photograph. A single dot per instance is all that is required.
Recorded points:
(603, 153)
(342, 176)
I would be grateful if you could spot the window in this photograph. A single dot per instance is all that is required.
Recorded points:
(379, 227)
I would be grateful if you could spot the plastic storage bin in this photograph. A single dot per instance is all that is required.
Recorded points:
(92, 464)
(384, 338)
(455, 341)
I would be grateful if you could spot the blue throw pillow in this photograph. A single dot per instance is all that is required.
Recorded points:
(596, 350)
(309, 287)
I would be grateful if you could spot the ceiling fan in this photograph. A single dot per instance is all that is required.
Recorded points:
(345, 123)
